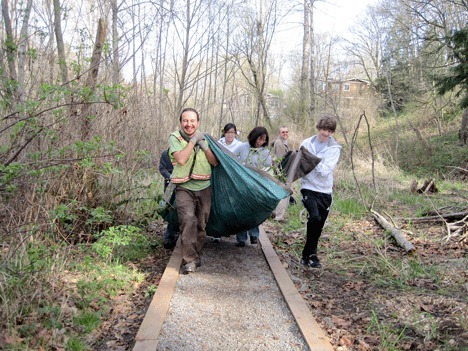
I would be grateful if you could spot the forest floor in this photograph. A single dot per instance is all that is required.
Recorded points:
(369, 295)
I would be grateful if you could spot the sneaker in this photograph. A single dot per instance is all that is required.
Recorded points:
(216, 240)
(312, 262)
(191, 267)
(240, 244)
(253, 240)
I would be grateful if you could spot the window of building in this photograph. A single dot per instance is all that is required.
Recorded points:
(346, 87)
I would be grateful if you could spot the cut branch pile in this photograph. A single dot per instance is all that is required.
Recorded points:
(457, 229)
(429, 186)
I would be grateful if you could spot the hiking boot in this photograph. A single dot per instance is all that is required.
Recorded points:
(253, 240)
(240, 244)
(169, 244)
(191, 267)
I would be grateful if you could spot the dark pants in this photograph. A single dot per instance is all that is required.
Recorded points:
(318, 207)
(193, 209)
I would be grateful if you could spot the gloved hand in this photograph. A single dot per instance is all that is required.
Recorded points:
(203, 144)
(197, 137)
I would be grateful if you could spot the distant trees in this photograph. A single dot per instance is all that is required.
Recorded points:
(407, 47)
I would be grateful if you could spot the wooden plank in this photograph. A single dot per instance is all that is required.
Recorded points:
(147, 336)
(312, 332)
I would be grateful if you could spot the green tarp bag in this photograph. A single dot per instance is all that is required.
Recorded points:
(241, 197)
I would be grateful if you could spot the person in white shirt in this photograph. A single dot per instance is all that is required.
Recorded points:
(317, 186)
(229, 139)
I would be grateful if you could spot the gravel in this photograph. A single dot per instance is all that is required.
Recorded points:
(232, 302)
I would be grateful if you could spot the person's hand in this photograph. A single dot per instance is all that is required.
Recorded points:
(203, 144)
(197, 137)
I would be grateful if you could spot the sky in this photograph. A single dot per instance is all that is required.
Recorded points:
(335, 15)
(332, 16)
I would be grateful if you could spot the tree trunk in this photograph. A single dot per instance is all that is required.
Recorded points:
(59, 39)
(92, 77)
(115, 44)
(10, 50)
(22, 51)
(312, 83)
(463, 132)
(303, 84)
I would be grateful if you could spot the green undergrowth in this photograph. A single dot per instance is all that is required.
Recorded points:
(77, 289)
(442, 159)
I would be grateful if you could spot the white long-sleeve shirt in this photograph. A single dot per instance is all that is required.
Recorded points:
(231, 147)
(320, 179)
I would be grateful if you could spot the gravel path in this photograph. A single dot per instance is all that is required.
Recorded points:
(231, 303)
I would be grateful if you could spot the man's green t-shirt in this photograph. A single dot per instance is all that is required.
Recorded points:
(192, 184)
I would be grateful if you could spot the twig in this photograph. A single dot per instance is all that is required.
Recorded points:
(363, 116)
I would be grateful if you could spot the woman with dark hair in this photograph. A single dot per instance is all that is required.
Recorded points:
(229, 139)
(254, 153)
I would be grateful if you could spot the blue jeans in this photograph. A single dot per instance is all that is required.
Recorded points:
(242, 236)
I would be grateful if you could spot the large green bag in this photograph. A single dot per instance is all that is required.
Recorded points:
(241, 197)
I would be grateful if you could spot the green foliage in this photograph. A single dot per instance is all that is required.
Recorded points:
(402, 274)
(390, 336)
(75, 344)
(294, 217)
(8, 174)
(50, 316)
(88, 320)
(121, 243)
(457, 75)
(444, 156)
(99, 216)
(100, 281)
(63, 213)
(349, 207)
(150, 290)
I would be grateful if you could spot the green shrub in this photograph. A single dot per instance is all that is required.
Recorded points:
(122, 243)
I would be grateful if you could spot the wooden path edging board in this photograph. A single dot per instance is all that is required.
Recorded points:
(147, 336)
(310, 329)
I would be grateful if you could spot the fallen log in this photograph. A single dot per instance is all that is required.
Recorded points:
(439, 218)
(395, 232)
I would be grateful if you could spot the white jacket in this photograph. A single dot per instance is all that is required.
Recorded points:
(236, 142)
(320, 179)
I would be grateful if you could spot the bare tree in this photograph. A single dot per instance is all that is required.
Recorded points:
(59, 39)
(252, 49)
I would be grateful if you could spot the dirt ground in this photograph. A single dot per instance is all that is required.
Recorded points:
(366, 297)
(384, 299)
